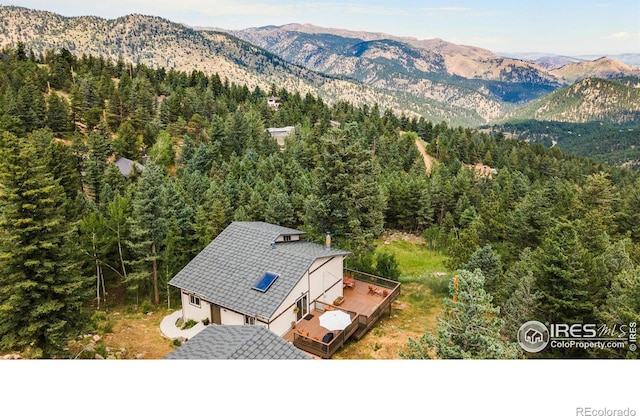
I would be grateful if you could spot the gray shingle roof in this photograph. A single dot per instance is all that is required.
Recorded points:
(126, 166)
(237, 342)
(225, 271)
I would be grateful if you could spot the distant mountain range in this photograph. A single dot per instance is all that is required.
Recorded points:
(556, 61)
(462, 85)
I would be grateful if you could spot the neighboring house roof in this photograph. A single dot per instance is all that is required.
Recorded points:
(225, 272)
(126, 166)
(237, 342)
(280, 133)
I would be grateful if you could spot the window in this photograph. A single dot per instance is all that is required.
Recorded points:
(286, 238)
(265, 282)
(249, 320)
(194, 300)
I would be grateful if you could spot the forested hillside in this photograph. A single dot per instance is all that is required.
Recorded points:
(592, 99)
(550, 237)
(615, 144)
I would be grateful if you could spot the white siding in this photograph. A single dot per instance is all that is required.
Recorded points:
(326, 279)
(194, 312)
(285, 315)
(231, 318)
(325, 274)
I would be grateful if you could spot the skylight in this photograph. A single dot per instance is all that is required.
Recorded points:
(265, 282)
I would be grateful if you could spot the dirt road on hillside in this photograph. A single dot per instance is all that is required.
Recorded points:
(428, 160)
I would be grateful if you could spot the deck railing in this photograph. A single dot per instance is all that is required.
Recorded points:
(324, 349)
(366, 322)
(360, 324)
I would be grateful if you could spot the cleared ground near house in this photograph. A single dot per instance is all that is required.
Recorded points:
(424, 284)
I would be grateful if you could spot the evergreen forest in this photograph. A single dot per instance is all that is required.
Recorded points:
(550, 236)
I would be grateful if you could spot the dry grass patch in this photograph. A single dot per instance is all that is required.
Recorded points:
(139, 334)
(412, 314)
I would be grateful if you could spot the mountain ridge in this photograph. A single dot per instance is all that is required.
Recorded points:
(458, 84)
(588, 100)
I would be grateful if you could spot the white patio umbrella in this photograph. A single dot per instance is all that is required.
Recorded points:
(336, 320)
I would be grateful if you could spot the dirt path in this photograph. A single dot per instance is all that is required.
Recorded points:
(428, 160)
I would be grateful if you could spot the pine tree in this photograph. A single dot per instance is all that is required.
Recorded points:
(127, 143)
(469, 327)
(148, 229)
(42, 292)
(62, 163)
(523, 303)
(490, 265)
(58, 116)
(622, 307)
(346, 201)
(213, 215)
(562, 276)
(98, 146)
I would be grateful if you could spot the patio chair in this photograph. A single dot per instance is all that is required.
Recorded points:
(348, 282)
(385, 292)
(373, 290)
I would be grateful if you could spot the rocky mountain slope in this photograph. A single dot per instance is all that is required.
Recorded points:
(407, 64)
(158, 42)
(600, 68)
(430, 56)
(462, 85)
(592, 99)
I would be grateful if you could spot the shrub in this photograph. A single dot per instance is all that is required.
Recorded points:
(146, 307)
(101, 322)
(387, 266)
(189, 324)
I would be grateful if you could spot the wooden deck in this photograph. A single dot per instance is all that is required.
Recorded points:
(365, 307)
(358, 299)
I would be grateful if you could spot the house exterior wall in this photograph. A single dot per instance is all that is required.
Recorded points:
(190, 311)
(322, 274)
(285, 314)
(230, 317)
(198, 314)
(326, 279)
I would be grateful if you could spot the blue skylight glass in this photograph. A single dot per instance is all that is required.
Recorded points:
(265, 282)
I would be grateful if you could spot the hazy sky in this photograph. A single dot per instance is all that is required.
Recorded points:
(571, 27)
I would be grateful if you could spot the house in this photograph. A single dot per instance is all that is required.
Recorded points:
(126, 166)
(483, 171)
(237, 342)
(280, 133)
(273, 102)
(255, 273)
